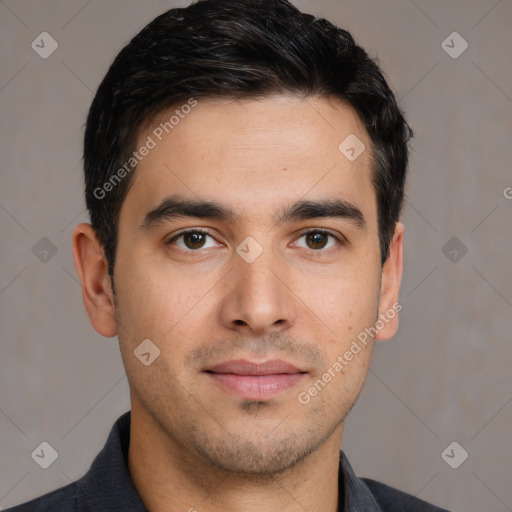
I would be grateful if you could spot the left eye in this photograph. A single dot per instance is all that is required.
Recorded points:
(318, 239)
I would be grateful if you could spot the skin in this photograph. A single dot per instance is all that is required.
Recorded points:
(194, 444)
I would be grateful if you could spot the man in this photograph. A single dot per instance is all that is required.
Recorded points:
(245, 167)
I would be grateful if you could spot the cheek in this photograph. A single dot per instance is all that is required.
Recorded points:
(346, 302)
(158, 303)
(144, 300)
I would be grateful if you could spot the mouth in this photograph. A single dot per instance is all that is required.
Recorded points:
(256, 381)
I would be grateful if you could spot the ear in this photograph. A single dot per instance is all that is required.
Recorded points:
(390, 286)
(91, 266)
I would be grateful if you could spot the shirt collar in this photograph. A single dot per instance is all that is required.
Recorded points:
(357, 496)
(108, 485)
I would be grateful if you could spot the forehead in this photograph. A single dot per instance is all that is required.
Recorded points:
(255, 154)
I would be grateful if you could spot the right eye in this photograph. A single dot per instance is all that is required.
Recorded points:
(191, 240)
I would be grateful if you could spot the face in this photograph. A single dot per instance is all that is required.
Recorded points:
(248, 254)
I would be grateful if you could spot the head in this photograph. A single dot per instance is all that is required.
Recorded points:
(230, 119)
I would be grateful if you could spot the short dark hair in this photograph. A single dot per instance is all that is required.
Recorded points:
(236, 49)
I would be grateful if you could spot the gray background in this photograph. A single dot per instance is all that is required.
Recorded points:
(444, 377)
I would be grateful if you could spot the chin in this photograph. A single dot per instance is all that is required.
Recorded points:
(264, 457)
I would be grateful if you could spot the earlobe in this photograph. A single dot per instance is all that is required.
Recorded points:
(390, 286)
(91, 266)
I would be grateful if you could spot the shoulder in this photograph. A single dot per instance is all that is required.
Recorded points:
(394, 500)
(59, 500)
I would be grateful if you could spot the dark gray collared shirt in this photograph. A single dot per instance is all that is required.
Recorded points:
(108, 487)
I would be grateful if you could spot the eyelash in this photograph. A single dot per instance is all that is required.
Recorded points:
(341, 240)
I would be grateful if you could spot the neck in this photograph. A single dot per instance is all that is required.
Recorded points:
(170, 477)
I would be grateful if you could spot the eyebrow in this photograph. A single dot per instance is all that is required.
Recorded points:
(175, 207)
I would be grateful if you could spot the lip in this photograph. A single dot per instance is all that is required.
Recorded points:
(256, 381)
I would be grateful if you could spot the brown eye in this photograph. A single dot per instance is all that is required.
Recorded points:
(317, 239)
(192, 240)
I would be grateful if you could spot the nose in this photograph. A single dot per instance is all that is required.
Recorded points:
(259, 299)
